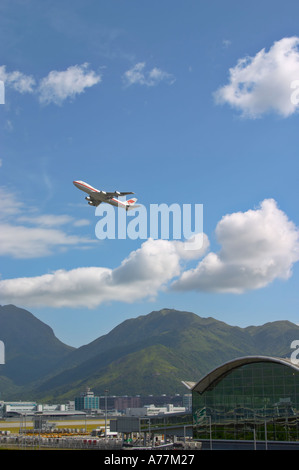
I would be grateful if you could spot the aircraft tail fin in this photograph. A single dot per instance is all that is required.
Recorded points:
(130, 204)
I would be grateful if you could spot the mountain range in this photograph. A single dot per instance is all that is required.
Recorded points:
(150, 354)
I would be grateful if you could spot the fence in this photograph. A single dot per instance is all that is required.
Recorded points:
(36, 441)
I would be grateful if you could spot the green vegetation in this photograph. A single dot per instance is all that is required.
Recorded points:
(150, 354)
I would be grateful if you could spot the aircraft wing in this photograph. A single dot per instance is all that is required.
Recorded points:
(105, 195)
(97, 197)
(118, 193)
(93, 201)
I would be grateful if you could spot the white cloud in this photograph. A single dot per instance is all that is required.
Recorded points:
(258, 246)
(60, 85)
(17, 80)
(0, 162)
(8, 125)
(46, 220)
(20, 241)
(226, 43)
(31, 235)
(262, 83)
(56, 87)
(138, 75)
(10, 205)
(139, 276)
(193, 248)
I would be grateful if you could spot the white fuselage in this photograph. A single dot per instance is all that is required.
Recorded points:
(101, 195)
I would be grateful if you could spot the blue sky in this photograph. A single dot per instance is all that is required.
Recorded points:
(180, 102)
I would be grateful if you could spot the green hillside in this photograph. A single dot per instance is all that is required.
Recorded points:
(150, 354)
(31, 348)
(155, 352)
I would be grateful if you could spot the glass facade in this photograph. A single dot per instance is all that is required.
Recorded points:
(253, 401)
(165, 422)
(87, 401)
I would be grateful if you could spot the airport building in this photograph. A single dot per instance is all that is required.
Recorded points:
(254, 398)
(152, 410)
(87, 401)
(16, 409)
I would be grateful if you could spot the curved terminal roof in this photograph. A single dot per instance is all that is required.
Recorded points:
(220, 372)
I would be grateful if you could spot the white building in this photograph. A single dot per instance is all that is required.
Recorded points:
(152, 410)
(14, 408)
(18, 408)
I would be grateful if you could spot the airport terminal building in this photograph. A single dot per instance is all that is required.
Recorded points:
(252, 398)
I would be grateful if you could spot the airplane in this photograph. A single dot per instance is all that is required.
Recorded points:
(96, 197)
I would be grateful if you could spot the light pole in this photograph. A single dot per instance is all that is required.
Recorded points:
(106, 392)
(210, 425)
(266, 439)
